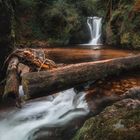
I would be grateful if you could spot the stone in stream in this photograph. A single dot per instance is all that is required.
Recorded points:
(57, 133)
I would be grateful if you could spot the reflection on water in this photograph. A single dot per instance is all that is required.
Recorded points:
(77, 55)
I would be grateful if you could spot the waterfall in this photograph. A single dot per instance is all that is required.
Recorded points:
(95, 26)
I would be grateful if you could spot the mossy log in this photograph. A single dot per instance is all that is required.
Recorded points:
(12, 79)
(43, 83)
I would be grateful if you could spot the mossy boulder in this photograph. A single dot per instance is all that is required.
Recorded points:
(120, 121)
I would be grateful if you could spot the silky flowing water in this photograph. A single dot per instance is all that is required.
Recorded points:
(95, 26)
(59, 116)
(21, 124)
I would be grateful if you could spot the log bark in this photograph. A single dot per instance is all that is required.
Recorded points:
(12, 79)
(43, 83)
(22, 69)
(33, 58)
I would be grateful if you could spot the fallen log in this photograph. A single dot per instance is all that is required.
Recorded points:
(36, 59)
(12, 79)
(23, 69)
(43, 83)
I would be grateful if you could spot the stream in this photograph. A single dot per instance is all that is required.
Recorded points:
(49, 114)
(59, 116)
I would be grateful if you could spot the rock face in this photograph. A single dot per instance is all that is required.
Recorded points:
(122, 25)
(120, 121)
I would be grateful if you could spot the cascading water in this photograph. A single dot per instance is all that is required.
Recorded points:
(23, 124)
(95, 26)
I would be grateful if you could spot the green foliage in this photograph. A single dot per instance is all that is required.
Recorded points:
(54, 19)
(25, 7)
(121, 23)
(60, 20)
(64, 20)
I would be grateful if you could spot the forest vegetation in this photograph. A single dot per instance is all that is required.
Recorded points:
(41, 54)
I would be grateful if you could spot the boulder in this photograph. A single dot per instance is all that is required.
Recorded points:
(121, 121)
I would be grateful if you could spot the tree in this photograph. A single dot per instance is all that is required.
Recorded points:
(7, 34)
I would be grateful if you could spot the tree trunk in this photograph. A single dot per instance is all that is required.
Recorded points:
(43, 83)
(12, 79)
(7, 35)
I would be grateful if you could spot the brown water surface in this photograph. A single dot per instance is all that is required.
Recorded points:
(77, 55)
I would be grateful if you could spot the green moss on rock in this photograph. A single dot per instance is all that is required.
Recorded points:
(120, 121)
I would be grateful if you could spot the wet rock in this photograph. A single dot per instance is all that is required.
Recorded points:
(133, 93)
(118, 91)
(56, 132)
(120, 121)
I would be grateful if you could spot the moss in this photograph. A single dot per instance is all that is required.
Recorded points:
(114, 123)
(125, 38)
(122, 25)
(130, 39)
(136, 40)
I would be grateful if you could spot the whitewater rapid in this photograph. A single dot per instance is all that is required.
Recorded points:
(57, 111)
